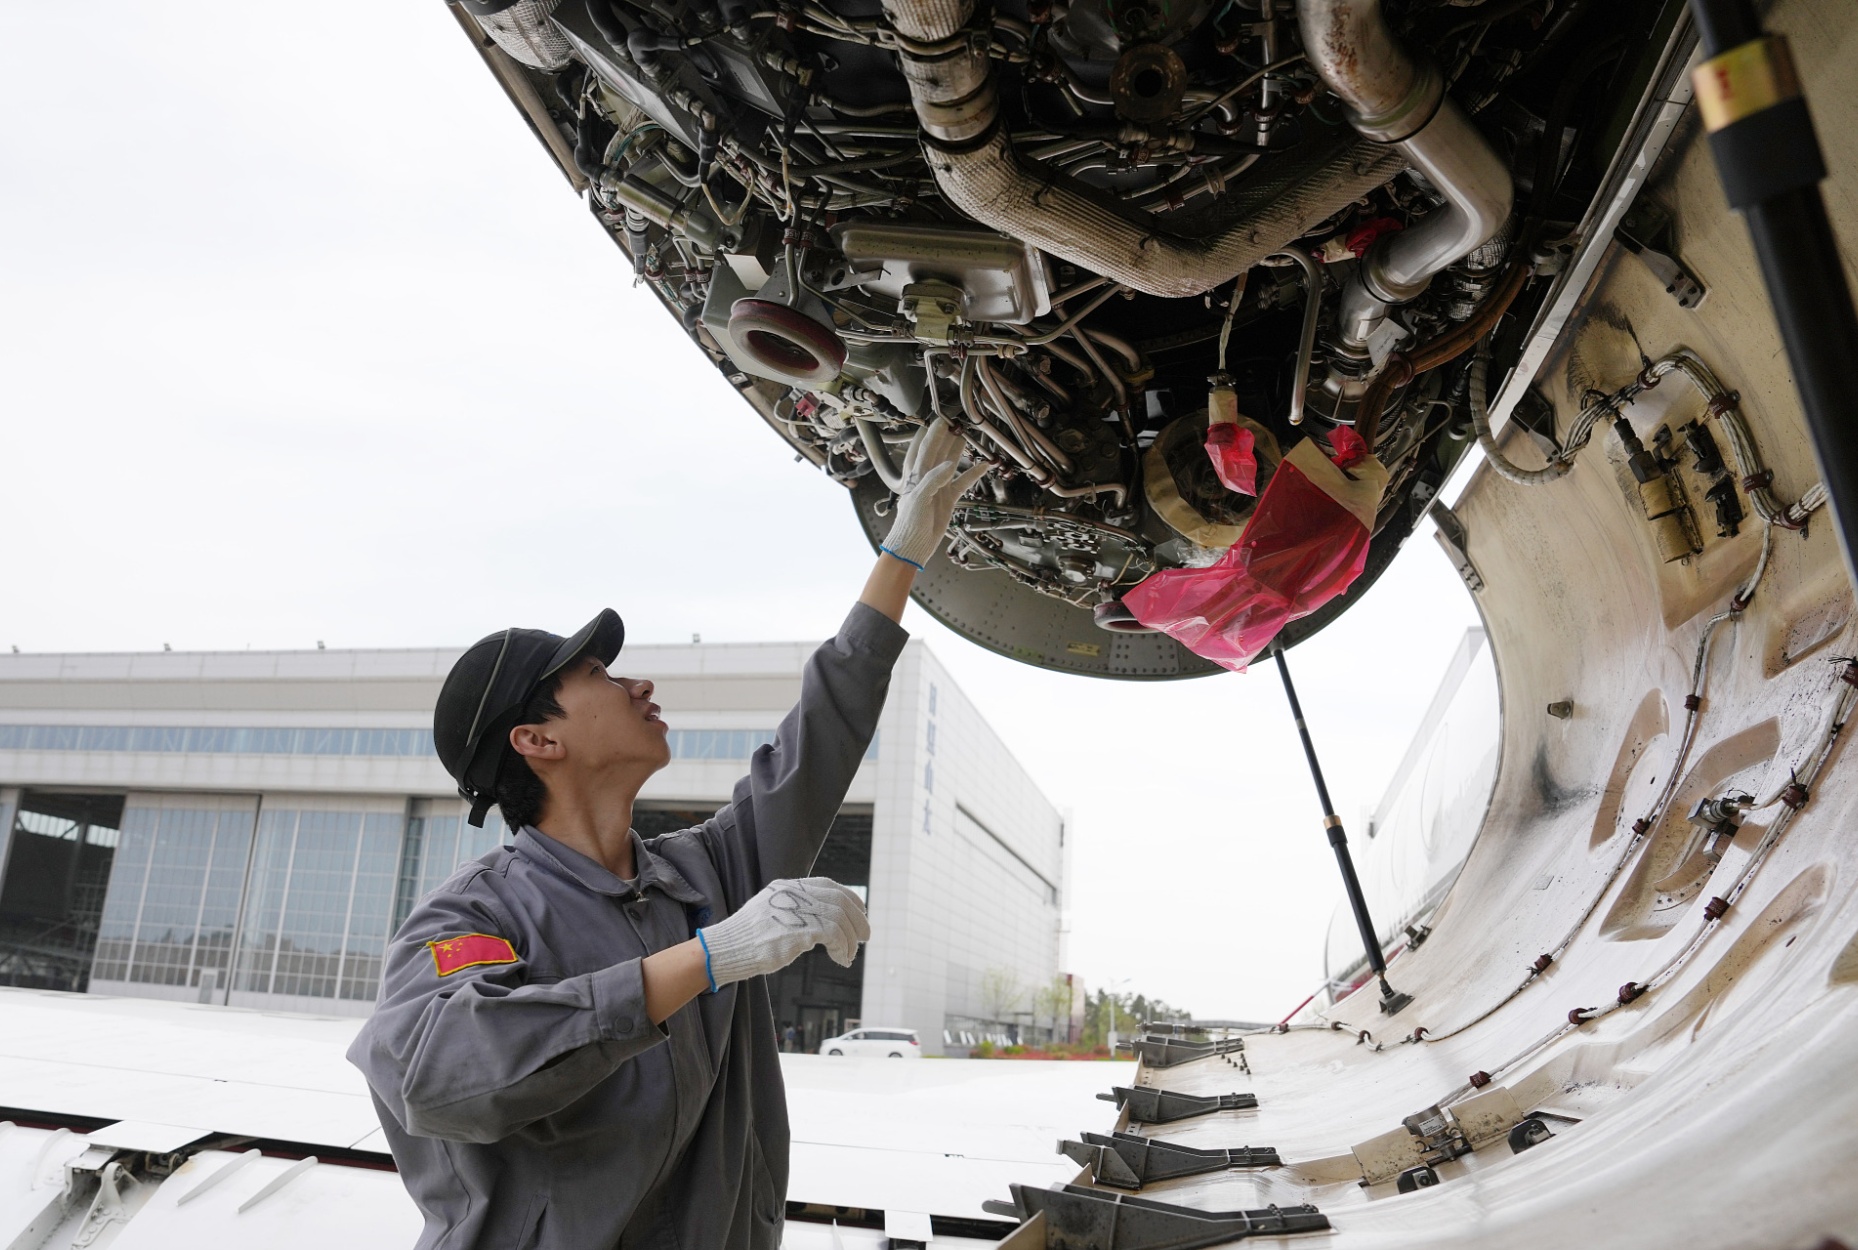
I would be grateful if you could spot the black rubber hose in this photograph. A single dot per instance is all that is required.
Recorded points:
(1770, 164)
(608, 22)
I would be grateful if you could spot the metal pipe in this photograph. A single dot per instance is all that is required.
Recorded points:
(1118, 344)
(1402, 368)
(1040, 475)
(1028, 436)
(1117, 385)
(1391, 1001)
(1306, 343)
(1769, 160)
(1396, 99)
(879, 454)
(982, 174)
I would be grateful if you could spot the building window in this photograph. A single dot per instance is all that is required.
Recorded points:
(686, 744)
(320, 902)
(729, 744)
(439, 839)
(215, 740)
(173, 902)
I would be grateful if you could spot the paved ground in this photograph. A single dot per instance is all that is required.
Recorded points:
(935, 1136)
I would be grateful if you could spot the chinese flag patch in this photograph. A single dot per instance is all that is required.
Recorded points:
(451, 954)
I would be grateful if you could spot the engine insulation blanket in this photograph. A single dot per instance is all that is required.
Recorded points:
(1306, 543)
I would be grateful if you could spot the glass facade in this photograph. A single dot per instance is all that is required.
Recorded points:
(438, 840)
(173, 903)
(215, 740)
(233, 898)
(728, 744)
(319, 903)
(686, 744)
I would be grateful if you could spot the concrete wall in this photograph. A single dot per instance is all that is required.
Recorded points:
(967, 864)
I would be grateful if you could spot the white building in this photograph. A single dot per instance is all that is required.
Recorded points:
(249, 828)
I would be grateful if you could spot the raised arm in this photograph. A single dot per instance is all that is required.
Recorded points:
(783, 809)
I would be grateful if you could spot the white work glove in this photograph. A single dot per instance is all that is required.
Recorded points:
(926, 502)
(782, 923)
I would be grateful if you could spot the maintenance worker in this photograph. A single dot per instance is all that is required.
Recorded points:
(574, 1046)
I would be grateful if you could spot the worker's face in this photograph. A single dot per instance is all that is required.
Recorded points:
(610, 724)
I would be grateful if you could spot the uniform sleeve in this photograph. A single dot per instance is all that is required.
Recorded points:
(477, 1053)
(783, 809)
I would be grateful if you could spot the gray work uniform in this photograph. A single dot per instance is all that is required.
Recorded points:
(533, 1103)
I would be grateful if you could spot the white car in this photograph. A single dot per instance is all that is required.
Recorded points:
(875, 1044)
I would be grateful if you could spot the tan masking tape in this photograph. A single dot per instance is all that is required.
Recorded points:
(1745, 80)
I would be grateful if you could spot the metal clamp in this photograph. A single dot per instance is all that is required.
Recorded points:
(1165, 1052)
(1162, 1106)
(1129, 1161)
(1088, 1219)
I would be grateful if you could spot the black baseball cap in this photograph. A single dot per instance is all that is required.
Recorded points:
(485, 692)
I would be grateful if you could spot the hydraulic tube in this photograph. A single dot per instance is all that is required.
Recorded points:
(1768, 157)
(1392, 1001)
(1396, 99)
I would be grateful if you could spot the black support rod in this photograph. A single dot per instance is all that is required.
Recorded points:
(1768, 157)
(1391, 1000)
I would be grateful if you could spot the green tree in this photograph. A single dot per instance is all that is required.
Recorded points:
(1052, 1004)
(1000, 993)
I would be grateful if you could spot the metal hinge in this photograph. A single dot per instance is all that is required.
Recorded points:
(1160, 1106)
(1645, 231)
(1165, 1052)
(1076, 1218)
(1129, 1161)
(1449, 530)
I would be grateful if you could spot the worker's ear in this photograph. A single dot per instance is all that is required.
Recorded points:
(535, 742)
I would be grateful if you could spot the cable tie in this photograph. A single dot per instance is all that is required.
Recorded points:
(1692, 702)
(1542, 962)
(1714, 909)
(1578, 1016)
(1758, 481)
(1641, 825)
(1629, 991)
(1479, 1079)
(1794, 795)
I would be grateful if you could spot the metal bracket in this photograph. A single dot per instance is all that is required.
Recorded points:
(1165, 1052)
(1128, 1161)
(1161, 1106)
(1449, 530)
(1088, 1219)
(109, 1205)
(1646, 233)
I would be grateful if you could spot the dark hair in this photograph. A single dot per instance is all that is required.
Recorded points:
(520, 793)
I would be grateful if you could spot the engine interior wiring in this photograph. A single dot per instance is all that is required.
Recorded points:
(1051, 220)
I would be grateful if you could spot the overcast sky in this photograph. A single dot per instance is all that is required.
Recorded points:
(304, 338)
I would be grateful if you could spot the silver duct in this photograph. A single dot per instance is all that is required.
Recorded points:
(1398, 100)
(951, 84)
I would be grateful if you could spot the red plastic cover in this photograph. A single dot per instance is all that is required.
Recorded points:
(1305, 543)
(1233, 450)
